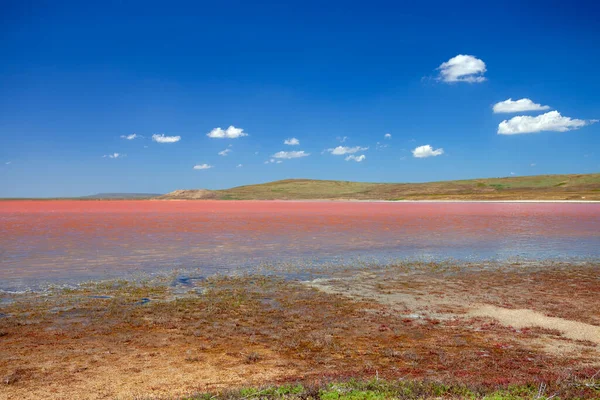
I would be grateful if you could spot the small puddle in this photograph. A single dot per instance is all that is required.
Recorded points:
(184, 280)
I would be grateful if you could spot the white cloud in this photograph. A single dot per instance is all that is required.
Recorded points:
(165, 139)
(230, 133)
(114, 155)
(342, 150)
(532, 165)
(427, 151)
(342, 139)
(278, 161)
(290, 154)
(224, 152)
(550, 121)
(203, 166)
(239, 166)
(510, 106)
(271, 161)
(8, 162)
(130, 137)
(291, 141)
(356, 158)
(387, 136)
(379, 146)
(462, 68)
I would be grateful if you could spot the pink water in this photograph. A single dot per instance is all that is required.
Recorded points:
(71, 241)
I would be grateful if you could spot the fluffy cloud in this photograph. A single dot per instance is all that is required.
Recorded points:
(130, 137)
(356, 158)
(387, 136)
(462, 68)
(427, 151)
(114, 155)
(291, 141)
(239, 166)
(224, 152)
(550, 121)
(165, 139)
(230, 133)
(8, 162)
(290, 154)
(343, 150)
(510, 106)
(203, 166)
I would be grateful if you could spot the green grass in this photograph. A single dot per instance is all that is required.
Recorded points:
(377, 389)
(498, 186)
(524, 187)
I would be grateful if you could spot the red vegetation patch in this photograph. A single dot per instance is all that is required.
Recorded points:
(230, 336)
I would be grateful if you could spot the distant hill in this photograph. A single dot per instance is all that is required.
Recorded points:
(539, 187)
(121, 196)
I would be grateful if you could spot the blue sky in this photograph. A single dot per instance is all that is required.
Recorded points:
(77, 79)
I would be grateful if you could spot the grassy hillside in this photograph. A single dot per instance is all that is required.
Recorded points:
(540, 187)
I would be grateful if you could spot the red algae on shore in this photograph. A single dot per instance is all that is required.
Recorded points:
(102, 341)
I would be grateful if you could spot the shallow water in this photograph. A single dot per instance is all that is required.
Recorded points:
(71, 241)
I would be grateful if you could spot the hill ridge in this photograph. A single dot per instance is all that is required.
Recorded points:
(531, 187)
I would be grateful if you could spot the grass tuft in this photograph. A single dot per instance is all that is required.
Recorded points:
(378, 389)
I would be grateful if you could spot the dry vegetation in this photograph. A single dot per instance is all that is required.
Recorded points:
(540, 187)
(407, 323)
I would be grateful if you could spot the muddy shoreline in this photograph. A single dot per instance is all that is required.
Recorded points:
(428, 321)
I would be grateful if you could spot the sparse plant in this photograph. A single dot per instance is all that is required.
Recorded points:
(252, 358)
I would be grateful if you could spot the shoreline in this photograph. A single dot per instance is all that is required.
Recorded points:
(432, 323)
(298, 271)
(7, 200)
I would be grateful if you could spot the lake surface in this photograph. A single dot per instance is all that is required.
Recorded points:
(70, 241)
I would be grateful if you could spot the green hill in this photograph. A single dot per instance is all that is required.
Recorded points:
(539, 187)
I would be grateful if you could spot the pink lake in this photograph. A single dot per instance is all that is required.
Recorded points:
(45, 242)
